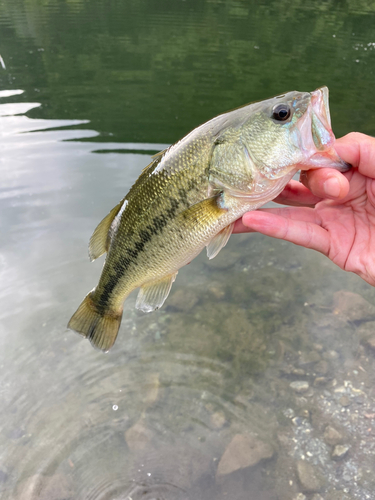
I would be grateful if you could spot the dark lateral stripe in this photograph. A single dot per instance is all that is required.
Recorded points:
(156, 226)
(130, 255)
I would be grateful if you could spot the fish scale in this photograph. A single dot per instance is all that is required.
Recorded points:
(191, 194)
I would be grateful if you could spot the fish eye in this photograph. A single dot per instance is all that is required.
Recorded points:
(281, 112)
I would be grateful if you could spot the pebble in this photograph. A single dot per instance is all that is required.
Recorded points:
(242, 452)
(304, 413)
(299, 372)
(318, 347)
(309, 357)
(297, 421)
(330, 355)
(217, 420)
(299, 386)
(289, 413)
(344, 401)
(300, 496)
(341, 389)
(320, 381)
(309, 477)
(340, 451)
(332, 436)
(291, 370)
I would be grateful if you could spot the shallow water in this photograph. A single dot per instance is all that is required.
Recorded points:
(89, 91)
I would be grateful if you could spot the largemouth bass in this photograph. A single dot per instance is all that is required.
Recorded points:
(191, 194)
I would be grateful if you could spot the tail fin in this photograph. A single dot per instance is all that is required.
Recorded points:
(100, 328)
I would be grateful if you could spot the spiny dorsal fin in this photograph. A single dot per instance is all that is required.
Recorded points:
(152, 295)
(99, 241)
(219, 241)
(156, 155)
(156, 158)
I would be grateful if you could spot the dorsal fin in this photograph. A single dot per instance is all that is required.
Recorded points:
(156, 155)
(99, 241)
(155, 160)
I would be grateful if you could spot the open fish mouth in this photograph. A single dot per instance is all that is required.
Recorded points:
(317, 137)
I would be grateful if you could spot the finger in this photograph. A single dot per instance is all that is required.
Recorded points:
(302, 213)
(306, 234)
(359, 150)
(239, 227)
(295, 194)
(326, 183)
(298, 214)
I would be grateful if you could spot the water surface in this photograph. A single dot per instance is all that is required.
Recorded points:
(89, 92)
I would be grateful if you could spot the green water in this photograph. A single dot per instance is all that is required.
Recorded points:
(89, 90)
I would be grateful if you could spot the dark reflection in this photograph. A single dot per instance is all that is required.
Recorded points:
(151, 71)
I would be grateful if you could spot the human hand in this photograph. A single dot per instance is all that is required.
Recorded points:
(331, 212)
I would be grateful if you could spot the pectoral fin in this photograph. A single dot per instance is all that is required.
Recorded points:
(100, 239)
(204, 213)
(152, 295)
(219, 241)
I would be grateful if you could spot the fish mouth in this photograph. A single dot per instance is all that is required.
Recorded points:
(317, 137)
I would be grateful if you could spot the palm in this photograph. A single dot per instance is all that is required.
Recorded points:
(350, 227)
(336, 219)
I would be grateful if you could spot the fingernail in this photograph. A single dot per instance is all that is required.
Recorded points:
(332, 187)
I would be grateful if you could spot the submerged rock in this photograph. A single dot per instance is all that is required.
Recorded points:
(242, 452)
(299, 386)
(321, 367)
(352, 307)
(309, 477)
(332, 436)
(151, 390)
(183, 300)
(217, 290)
(340, 451)
(56, 487)
(138, 436)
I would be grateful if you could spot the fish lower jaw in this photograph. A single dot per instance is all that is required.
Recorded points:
(326, 159)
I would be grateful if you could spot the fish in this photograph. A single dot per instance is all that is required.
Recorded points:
(190, 195)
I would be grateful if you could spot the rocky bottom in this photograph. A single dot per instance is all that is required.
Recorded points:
(250, 384)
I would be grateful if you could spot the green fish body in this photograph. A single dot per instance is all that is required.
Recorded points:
(190, 196)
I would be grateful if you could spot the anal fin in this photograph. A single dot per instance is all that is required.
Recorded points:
(152, 295)
(219, 241)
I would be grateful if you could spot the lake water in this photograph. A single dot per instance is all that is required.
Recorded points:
(256, 380)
